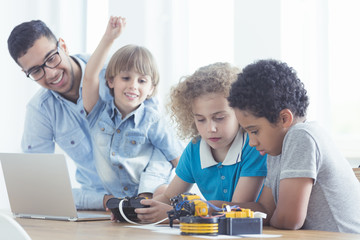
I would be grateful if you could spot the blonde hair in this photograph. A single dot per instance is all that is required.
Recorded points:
(214, 78)
(133, 58)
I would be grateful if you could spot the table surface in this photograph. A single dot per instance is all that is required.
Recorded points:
(51, 229)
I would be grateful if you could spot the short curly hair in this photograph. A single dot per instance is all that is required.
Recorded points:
(266, 87)
(214, 78)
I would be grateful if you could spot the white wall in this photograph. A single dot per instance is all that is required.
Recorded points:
(257, 30)
(66, 19)
(154, 25)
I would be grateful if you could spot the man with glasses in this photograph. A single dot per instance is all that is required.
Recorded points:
(38, 72)
(56, 114)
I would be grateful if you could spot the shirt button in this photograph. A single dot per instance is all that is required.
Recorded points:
(225, 190)
(222, 177)
(113, 153)
(133, 142)
(72, 142)
(102, 129)
(125, 188)
(120, 167)
(29, 147)
(220, 166)
(118, 131)
(82, 111)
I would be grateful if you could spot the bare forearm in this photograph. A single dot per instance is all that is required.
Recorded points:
(247, 189)
(283, 223)
(162, 198)
(98, 58)
(91, 75)
(292, 205)
(176, 187)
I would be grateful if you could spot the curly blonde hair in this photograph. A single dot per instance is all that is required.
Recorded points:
(214, 78)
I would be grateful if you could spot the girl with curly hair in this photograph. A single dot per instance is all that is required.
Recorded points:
(218, 158)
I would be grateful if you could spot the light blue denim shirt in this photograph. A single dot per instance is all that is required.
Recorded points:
(51, 119)
(132, 154)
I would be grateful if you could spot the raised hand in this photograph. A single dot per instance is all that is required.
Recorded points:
(115, 27)
(90, 88)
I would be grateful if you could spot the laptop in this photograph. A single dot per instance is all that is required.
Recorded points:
(38, 186)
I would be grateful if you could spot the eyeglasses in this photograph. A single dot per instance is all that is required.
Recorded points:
(51, 62)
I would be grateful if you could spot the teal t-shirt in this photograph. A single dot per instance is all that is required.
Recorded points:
(218, 181)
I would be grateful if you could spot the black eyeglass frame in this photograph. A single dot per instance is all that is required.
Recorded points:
(44, 64)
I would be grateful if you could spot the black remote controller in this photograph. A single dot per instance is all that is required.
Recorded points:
(129, 204)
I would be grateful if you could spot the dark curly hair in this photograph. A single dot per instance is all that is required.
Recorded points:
(266, 87)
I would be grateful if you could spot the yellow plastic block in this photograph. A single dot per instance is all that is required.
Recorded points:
(230, 214)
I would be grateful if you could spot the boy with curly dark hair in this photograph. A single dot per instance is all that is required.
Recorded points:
(309, 185)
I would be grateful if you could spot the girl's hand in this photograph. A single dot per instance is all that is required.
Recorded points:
(156, 212)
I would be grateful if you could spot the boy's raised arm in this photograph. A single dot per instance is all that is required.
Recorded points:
(90, 89)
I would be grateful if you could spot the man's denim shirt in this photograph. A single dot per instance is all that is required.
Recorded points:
(132, 154)
(51, 118)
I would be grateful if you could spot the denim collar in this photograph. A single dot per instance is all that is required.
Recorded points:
(137, 114)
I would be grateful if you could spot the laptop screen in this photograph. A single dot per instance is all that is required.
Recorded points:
(38, 184)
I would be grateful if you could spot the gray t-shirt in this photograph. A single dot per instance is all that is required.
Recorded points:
(334, 203)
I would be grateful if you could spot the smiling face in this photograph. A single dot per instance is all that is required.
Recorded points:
(130, 90)
(215, 121)
(265, 136)
(61, 78)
